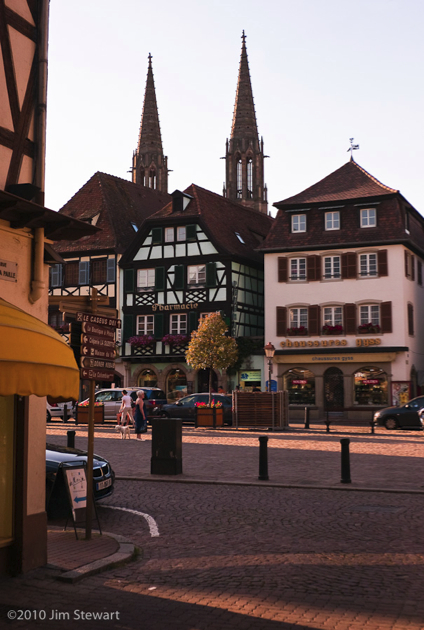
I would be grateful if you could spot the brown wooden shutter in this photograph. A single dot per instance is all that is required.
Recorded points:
(349, 265)
(386, 317)
(282, 270)
(313, 264)
(313, 319)
(382, 263)
(412, 267)
(410, 319)
(407, 264)
(281, 321)
(350, 319)
(420, 272)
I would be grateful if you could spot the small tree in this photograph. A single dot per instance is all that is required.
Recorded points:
(211, 348)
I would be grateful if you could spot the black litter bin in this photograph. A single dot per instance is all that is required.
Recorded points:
(166, 447)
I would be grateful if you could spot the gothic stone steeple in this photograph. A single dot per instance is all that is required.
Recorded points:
(244, 154)
(150, 165)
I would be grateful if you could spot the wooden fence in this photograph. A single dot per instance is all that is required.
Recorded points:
(261, 409)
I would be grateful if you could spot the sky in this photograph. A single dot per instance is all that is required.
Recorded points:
(322, 72)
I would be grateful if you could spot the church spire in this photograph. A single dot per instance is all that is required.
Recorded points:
(244, 153)
(150, 166)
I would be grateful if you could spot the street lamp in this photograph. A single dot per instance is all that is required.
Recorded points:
(269, 352)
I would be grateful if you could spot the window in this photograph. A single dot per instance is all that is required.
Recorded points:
(250, 178)
(298, 223)
(420, 272)
(178, 324)
(332, 267)
(169, 235)
(239, 179)
(369, 314)
(99, 271)
(56, 275)
(368, 265)
(332, 220)
(71, 273)
(196, 274)
(145, 279)
(204, 315)
(181, 233)
(300, 385)
(240, 238)
(368, 217)
(298, 318)
(333, 315)
(298, 269)
(371, 386)
(145, 325)
(410, 319)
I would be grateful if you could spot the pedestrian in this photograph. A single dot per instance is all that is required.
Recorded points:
(125, 410)
(140, 416)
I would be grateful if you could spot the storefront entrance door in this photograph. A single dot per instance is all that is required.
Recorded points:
(333, 390)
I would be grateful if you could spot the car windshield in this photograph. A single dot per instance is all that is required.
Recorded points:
(104, 396)
(188, 401)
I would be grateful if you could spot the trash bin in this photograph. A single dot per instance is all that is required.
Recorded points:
(166, 447)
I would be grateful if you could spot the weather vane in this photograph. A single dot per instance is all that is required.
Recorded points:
(353, 147)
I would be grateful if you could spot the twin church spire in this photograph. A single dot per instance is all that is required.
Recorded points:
(244, 153)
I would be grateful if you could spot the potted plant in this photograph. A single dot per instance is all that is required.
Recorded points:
(209, 415)
(332, 330)
(211, 348)
(369, 328)
(174, 340)
(141, 341)
(82, 411)
(297, 331)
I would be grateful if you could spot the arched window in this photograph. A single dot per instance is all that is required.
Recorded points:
(300, 384)
(250, 178)
(371, 386)
(147, 379)
(239, 178)
(152, 178)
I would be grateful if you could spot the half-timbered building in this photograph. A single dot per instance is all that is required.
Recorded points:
(344, 295)
(195, 256)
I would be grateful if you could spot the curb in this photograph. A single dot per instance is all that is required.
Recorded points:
(126, 552)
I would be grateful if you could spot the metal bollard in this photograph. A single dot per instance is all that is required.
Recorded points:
(327, 422)
(306, 417)
(345, 461)
(65, 413)
(372, 423)
(71, 439)
(263, 458)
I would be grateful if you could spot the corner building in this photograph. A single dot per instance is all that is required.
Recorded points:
(344, 296)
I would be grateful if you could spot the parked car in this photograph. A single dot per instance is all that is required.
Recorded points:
(406, 416)
(55, 410)
(57, 503)
(112, 398)
(185, 408)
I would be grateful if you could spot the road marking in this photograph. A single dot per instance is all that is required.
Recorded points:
(154, 530)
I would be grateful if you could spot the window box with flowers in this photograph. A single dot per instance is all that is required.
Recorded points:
(332, 330)
(369, 329)
(82, 411)
(298, 331)
(209, 415)
(174, 340)
(141, 341)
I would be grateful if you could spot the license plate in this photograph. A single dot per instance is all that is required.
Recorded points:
(103, 484)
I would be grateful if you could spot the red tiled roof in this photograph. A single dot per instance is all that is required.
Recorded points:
(222, 219)
(119, 203)
(351, 181)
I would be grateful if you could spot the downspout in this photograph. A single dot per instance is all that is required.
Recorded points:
(41, 104)
(38, 286)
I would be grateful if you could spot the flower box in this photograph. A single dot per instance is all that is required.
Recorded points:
(369, 329)
(141, 341)
(332, 330)
(299, 331)
(209, 417)
(82, 412)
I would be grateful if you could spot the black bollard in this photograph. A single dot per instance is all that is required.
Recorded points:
(327, 422)
(306, 417)
(345, 461)
(263, 458)
(71, 439)
(372, 423)
(65, 413)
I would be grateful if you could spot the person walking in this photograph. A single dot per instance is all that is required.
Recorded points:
(126, 410)
(140, 416)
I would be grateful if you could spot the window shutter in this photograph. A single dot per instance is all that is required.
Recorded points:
(110, 270)
(281, 321)
(179, 277)
(386, 317)
(156, 235)
(128, 326)
(350, 319)
(407, 264)
(313, 320)
(158, 325)
(84, 272)
(382, 262)
(129, 280)
(420, 272)
(412, 267)
(160, 279)
(211, 275)
(191, 232)
(349, 265)
(192, 321)
(313, 264)
(410, 319)
(56, 275)
(282, 270)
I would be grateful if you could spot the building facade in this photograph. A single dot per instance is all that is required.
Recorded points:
(344, 295)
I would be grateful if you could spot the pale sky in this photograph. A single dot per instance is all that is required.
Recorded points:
(322, 71)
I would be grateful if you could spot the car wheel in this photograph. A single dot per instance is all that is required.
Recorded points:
(391, 423)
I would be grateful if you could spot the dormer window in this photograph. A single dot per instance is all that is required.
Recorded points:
(368, 217)
(135, 228)
(298, 223)
(332, 220)
(240, 238)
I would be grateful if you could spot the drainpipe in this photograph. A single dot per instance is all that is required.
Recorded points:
(38, 286)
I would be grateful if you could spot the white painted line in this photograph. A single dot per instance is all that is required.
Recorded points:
(154, 530)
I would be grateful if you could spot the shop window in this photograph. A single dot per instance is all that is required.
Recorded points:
(147, 379)
(300, 385)
(176, 385)
(371, 387)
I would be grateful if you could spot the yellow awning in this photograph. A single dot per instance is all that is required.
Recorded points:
(34, 359)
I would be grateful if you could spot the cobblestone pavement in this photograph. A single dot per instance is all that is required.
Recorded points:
(250, 556)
